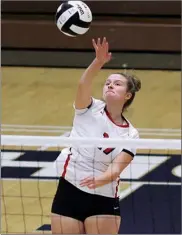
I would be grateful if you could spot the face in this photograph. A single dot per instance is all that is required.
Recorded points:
(115, 88)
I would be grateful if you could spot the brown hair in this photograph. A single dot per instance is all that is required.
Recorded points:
(133, 85)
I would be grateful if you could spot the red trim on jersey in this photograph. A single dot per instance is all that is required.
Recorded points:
(116, 193)
(109, 116)
(66, 165)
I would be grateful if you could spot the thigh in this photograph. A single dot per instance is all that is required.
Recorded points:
(69, 201)
(102, 224)
(65, 225)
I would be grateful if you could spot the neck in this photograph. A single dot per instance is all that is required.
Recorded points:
(115, 112)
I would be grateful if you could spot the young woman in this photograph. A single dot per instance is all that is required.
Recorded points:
(86, 200)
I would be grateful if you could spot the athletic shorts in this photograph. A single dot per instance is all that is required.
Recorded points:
(72, 202)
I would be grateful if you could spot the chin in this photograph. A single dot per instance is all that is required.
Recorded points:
(111, 97)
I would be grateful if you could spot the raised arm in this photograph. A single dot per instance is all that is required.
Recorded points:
(83, 95)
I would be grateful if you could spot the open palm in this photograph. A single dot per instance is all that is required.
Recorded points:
(102, 50)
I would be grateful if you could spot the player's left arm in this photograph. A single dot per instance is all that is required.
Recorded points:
(111, 174)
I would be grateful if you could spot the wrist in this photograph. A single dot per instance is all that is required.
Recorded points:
(102, 180)
(98, 63)
(106, 178)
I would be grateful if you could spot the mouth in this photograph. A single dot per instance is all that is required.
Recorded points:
(110, 91)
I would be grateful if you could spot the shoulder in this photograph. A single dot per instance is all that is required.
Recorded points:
(133, 132)
(95, 106)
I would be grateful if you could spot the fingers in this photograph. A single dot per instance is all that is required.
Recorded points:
(107, 47)
(104, 41)
(86, 181)
(99, 44)
(102, 50)
(109, 56)
(91, 186)
(94, 44)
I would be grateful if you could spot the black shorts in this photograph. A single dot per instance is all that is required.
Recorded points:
(75, 203)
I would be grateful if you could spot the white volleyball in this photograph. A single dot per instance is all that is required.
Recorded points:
(73, 18)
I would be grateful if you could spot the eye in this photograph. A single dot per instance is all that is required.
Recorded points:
(118, 84)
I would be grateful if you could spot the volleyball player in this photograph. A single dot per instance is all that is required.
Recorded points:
(86, 200)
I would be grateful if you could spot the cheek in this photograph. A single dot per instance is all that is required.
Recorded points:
(121, 91)
(104, 89)
(103, 92)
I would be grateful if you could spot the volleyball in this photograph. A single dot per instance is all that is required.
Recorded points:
(73, 18)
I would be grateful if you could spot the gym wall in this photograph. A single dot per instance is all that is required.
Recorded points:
(142, 34)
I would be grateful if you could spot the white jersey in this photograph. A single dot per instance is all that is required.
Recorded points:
(74, 164)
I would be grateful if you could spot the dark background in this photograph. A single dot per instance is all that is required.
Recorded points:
(142, 34)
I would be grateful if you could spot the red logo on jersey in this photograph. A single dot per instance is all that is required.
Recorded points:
(108, 150)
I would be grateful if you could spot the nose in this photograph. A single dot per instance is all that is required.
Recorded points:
(110, 86)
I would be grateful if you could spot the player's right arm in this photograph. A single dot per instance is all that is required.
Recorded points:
(83, 95)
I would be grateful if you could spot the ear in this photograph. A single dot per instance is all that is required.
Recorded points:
(128, 96)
